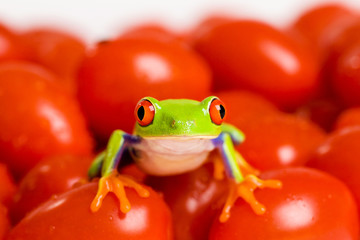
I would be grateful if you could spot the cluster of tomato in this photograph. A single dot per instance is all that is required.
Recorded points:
(293, 93)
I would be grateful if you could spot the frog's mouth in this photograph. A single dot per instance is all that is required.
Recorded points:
(180, 137)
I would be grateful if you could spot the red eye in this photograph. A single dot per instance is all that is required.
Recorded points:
(217, 111)
(144, 112)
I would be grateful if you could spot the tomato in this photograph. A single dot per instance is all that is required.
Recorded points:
(7, 186)
(4, 222)
(322, 111)
(58, 51)
(10, 47)
(350, 117)
(207, 25)
(53, 175)
(68, 216)
(193, 199)
(243, 107)
(133, 171)
(279, 141)
(37, 118)
(322, 24)
(346, 79)
(151, 31)
(254, 56)
(116, 75)
(311, 205)
(339, 155)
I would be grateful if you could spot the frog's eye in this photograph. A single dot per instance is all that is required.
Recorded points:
(217, 111)
(144, 112)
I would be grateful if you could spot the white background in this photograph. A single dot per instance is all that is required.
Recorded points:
(96, 19)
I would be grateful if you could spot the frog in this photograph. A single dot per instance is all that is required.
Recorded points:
(175, 136)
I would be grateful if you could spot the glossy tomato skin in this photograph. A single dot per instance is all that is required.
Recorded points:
(194, 199)
(236, 52)
(58, 51)
(243, 107)
(51, 176)
(37, 118)
(278, 141)
(311, 205)
(10, 48)
(68, 216)
(116, 75)
(7, 186)
(346, 79)
(339, 155)
(322, 25)
(348, 118)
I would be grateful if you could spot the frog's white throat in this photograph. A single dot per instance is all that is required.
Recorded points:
(170, 156)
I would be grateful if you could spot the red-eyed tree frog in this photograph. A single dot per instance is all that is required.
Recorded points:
(172, 137)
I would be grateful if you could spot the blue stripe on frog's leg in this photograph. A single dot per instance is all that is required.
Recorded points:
(110, 180)
(118, 142)
(228, 154)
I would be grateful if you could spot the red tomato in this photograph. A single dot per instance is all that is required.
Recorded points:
(133, 171)
(340, 155)
(51, 176)
(322, 111)
(322, 24)
(37, 119)
(58, 51)
(346, 79)
(7, 186)
(118, 74)
(151, 31)
(194, 199)
(207, 25)
(4, 222)
(255, 56)
(10, 47)
(348, 118)
(243, 107)
(312, 205)
(68, 216)
(279, 141)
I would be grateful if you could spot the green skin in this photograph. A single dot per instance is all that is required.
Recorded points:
(175, 118)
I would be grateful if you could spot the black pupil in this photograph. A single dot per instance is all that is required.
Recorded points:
(222, 111)
(141, 113)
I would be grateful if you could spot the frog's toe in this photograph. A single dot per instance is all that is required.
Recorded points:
(116, 183)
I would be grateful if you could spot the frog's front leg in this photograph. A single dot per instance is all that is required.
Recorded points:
(110, 181)
(240, 185)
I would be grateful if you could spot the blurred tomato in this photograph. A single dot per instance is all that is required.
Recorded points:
(322, 24)
(133, 171)
(255, 56)
(350, 117)
(340, 155)
(346, 79)
(207, 25)
(68, 216)
(53, 175)
(278, 141)
(7, 186)
(312, 205)
(243, 107)
(116, 75)
(194, 199)
(152, 31)
(4, 222)
(56, 50)
(322, 111)
(10, 47)
(37, 119)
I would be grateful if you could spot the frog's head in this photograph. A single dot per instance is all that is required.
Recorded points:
(179, 117)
